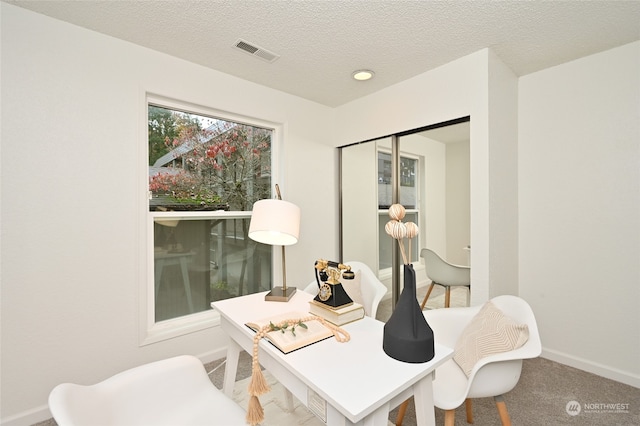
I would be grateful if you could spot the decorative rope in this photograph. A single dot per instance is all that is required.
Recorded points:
(258, 384)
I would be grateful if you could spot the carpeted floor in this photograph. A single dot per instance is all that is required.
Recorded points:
(541, 397)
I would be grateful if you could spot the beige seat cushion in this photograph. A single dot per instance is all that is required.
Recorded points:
(489, 332)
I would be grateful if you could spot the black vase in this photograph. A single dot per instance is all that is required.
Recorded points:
(407, 337)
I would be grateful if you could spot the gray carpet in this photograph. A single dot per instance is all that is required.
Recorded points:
(540, 398)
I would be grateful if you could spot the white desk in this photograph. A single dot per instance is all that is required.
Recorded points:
(358, 381)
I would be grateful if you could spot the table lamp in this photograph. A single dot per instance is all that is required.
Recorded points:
(277, 223)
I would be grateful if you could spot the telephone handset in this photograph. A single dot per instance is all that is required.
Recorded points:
(330, 290)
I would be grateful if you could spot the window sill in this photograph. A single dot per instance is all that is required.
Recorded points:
(180, 326)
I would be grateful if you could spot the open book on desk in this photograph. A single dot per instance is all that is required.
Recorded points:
(288, 341)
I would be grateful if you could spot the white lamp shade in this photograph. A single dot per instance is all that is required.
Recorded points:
(275, 222)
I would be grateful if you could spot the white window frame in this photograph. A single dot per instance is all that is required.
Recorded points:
(151, 331)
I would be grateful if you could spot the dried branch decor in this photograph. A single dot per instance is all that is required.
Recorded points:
(398, 230)
(258, 384)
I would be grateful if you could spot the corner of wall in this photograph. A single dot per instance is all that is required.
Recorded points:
(503, 177)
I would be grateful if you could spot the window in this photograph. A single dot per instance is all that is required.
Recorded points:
(204, 174)
(200, 163)
(408, 188)
(408, 198)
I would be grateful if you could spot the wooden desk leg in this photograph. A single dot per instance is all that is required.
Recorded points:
(423, 399)
(231, 368)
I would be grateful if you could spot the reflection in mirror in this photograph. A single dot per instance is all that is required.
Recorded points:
(359, 203)
(434, 187)
(408, 197)
(443, 206)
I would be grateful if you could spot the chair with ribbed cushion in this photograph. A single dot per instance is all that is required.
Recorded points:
(365, 289)
(174, 391)
(482, 366)
(445, 274)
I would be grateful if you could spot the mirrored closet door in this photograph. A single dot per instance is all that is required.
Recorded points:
(427, 171)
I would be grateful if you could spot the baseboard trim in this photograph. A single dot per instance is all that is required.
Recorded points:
(211, 356)
(602, 370)
(29, 417)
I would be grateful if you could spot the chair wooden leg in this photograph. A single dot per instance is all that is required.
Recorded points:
(450, 418)
(424, 302)
(401, 411)
(468, 405)
(447, 297)
(502, 410)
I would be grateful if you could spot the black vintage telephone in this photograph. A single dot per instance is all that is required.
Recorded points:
(331, 293)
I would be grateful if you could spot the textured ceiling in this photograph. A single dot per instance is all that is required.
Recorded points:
(320, 43)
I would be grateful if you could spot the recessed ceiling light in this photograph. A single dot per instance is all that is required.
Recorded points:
(362, 75)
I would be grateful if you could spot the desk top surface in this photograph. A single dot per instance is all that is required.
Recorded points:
(355, 376)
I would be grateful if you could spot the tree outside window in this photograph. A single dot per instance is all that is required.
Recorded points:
(205, 164)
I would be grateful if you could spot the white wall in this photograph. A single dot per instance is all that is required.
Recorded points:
(502, 159)
(434, 170)
(73, 112)
(458, 208)
(579, 196)
(360, 204)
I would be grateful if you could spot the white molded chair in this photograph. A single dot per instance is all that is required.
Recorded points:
(174, 391)
(445, 274)
(491, 376)
(371, 288)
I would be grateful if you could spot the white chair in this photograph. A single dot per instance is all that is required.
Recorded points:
(491, 376)
(445, 274)
(174, 391)
(371, 289)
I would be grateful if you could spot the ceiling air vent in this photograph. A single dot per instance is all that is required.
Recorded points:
(254, 50)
